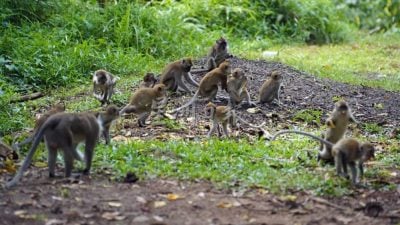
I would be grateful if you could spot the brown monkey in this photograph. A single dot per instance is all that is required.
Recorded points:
(209, 84)
(225, 115)
(346, 152)
(104, 82)
(173, 73)
(107, 119)
(337, 124)
(144, 100)
(39, 122)
(270, 89)
(217, 54)
(237, 89)
(149, 80)
(66, 131)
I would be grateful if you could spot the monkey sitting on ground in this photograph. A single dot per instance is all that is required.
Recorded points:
(270, 89)
(149, 80)
(174, 72)
(39, 122)
(103, 82)
(225, 115)
(217, 54)
(144, 100)
(209, 84)
(65, 131)
(346, 152)
(237, 89)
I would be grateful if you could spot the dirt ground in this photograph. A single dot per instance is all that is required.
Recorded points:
(98, 200)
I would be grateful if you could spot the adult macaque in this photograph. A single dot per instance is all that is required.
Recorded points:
(149, 80)
(225, 115)
(217, 54)
(144, 100)
(65, 131)
(103, 82)
(346, 152)
(39, 122)
(209, 84)
(270, 89)
(173, 74)
(237, 89)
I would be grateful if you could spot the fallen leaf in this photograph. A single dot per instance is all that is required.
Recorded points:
(141, 199)
(225, 205)
(55, 222)
(291, 198)
(159, 204)
(40, 164)
(172, 197)
(19, 213)
(9, 166)
(113, 216)
(253, 110)
(114, 204)
(158, 218)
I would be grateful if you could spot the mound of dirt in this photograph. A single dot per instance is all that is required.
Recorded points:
(300, 91)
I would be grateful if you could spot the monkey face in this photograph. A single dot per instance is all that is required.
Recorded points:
(186, 64)
(149, 77)
(221, 43)
(342, 107)
(238, 73)
(101, 78)
(368, 151)
(275, 75)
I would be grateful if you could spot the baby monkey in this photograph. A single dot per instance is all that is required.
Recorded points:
(225, 115)
(270, 89)
(237, 89)
(149, 80)
(103, 82)
(65, 131)
(346, 152)
(144, 100)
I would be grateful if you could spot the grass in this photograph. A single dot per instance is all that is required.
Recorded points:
(368, 60)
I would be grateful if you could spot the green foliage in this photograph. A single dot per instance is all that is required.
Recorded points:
(373, 128)
(308, 115)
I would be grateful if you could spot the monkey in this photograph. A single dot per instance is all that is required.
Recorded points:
(346, 152)
(172, 75)
(209, 84)
(217, 54)
(149, 80)
(270, 89)
(65, 131)
(39, 122)
(226, 115)
(237, 90)
(144, 100)
(108, 117)
(104, 82)
(337, 123)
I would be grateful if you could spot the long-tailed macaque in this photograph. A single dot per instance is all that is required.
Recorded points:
(237, 89)
(65, 131)
(103, 82)
(337, 123)
(217, 54)
(144, 100)
(270, 89)
(149, 80)
(172, 76)
(225, 115)
(346, 152)
(39, 122)
(209, 84)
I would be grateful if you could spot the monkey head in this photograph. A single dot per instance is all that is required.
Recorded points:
(237, 73)
(221, 43)
(161, 90)
(209, 107)
(367, 151)
(342, 107)
(225, 67)
(100, 77)
(275, 75)
(186, 64)
(149, 77)
(113, 111)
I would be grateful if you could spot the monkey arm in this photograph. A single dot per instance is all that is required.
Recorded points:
(330, 123)
(179, 81)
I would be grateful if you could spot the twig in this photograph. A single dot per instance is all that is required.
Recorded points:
(28, 97)
(323, 201)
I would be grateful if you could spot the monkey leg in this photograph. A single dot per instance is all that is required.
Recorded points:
(89, 150)
(214, 125)
(353, 169)
(128, 109)
(189, 79)
(106, 135)
(211, 63)
(68, 159)
(181, 84)
(361, 169)
(51, 160)
(142, 119)
(225, 128)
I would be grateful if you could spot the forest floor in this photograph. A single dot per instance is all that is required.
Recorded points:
(38, 200)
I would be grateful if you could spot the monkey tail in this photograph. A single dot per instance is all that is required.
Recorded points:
(303, 133)
(190, 102)
(199, 70)
(38, 137)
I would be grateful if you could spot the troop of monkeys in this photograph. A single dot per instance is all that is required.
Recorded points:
(65, 131)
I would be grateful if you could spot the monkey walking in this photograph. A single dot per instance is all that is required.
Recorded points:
(103, 82)
(173, 74)
(346, 152)
(65, 131)
(225, 115)
(144, 100)
(209, 84)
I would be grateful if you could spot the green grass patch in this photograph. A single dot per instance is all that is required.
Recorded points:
(368, 60)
